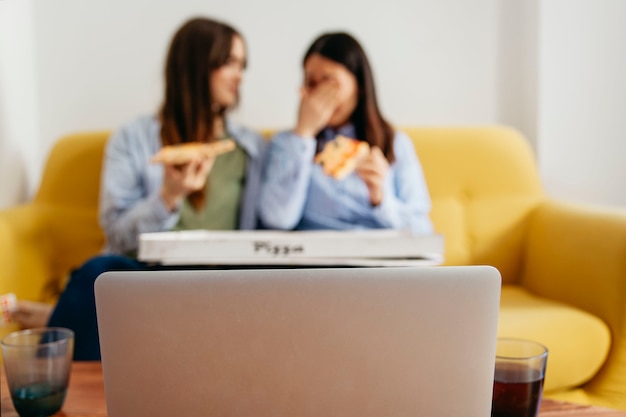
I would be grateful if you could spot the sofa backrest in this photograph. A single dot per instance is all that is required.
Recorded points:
(72, 173)
(484, 184)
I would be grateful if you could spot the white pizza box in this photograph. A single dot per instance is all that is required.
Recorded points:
(203, 247)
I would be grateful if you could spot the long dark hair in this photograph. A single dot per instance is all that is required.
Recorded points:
(188, 113)
(369, 123)
(198, 48)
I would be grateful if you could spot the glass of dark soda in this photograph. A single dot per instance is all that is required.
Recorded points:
(37, 363)
(518, 380)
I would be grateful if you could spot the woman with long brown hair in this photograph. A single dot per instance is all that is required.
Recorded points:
(386, 190)
(204, 67)
(203, 71)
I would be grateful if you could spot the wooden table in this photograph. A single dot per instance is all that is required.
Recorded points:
(551, 408)
(85, 398)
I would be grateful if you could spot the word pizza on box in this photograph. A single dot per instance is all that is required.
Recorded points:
(269, 248)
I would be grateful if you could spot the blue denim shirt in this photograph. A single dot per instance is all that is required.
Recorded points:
(296, 194)
(130, 200)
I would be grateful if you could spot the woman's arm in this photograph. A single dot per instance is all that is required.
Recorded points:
(286, 180)
(130, 200)
(406, 200)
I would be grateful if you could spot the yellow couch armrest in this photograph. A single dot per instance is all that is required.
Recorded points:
(577, 254)
(8, 276)
(40, 243)
(22, 263)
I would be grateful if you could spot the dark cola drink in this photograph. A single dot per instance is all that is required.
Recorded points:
(517, 391)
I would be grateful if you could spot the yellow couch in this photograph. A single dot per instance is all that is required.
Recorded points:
(563, 265)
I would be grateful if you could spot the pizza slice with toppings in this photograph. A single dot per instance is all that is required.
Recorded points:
(185, 152)
(340, 156)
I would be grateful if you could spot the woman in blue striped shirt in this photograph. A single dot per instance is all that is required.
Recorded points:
(387, 189)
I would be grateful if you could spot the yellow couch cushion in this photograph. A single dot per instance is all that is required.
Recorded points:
(578, 342)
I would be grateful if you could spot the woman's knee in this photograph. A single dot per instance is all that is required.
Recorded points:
(86, 275)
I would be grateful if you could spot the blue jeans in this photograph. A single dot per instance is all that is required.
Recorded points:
(76, 308)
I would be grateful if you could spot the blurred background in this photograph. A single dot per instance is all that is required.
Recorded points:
(553, 69)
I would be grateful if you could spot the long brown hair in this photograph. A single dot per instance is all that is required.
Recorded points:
(188, 113)
(198, 48)
(368, 121)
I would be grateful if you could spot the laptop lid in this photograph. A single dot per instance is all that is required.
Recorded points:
(352, 342)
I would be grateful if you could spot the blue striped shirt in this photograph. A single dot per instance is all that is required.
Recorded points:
(130, 200)
(297, 194)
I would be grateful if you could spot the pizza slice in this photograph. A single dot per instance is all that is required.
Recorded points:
(341, 155)
(185, 152)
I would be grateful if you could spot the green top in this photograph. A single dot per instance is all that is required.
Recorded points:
(223, 193)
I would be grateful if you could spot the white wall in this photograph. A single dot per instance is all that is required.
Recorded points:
(582, 90)
(99, 63)
(434, 62)
(518, 51)
(552, 68)
(19, 135)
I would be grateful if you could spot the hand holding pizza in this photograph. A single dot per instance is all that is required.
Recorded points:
(180, 181)
(187, 166)
(342, 156)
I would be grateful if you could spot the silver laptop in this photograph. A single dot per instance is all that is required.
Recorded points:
(351, 342)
